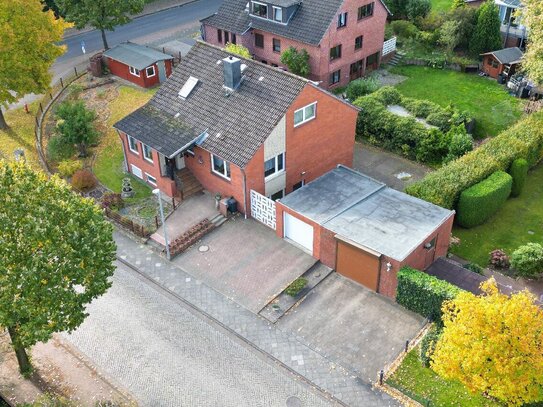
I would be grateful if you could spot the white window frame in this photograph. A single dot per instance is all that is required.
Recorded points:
(305, 119)
(134, 71)
(136, 171)
(144, 148)
(276, 172)
(130, 139)
(147, 71)
(149, 179)
(226, 167)
(342, 19)
(260, 4)
(274, 8)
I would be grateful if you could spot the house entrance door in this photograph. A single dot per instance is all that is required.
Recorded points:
(356, 69)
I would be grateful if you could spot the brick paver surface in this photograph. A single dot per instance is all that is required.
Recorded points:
(282, 346)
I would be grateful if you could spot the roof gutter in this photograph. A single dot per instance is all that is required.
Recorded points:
(196, 140)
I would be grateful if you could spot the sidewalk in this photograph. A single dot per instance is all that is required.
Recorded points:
(281, 346)
(149, 8)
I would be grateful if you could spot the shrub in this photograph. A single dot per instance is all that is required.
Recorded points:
(433, 147)
(297, 61)
(112, 200)
(67, 168)
(443, 187)
(428, 345)
(474, 267)
(361, 87)
(76, 125)
(460, 142)
(479, 202)
(423, 293)
(388, 95)
(519, 172)
(419, 108)
(83, 179)
(59, 149)
(296, 286)
(239, 50)
(417, 9)
(442, 119)
(404, 29)
(527, 260)
(499, 259)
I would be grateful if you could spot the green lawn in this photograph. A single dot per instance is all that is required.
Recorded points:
(441, 5)
(422, 384)
(517, 223)
(108, 166)
(493, 109)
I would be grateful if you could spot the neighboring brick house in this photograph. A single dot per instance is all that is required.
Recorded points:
(363, 229)
(344, 38)
(238, 126)
(139, 64)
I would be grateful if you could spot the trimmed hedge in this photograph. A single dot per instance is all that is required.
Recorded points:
(444, 186)
(423, 293)
(519, 172)
(479, 202)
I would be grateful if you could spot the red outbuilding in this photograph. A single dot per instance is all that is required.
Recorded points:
(504, 61)
(139, 64)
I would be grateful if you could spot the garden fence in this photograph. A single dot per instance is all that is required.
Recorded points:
(129, 224)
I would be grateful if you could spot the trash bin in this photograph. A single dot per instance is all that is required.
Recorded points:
(232, 205)
(502, 78)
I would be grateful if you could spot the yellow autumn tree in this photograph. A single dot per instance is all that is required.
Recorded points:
(532, 17)
(493, 345)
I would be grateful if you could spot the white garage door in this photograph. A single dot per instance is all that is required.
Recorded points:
(299, 232)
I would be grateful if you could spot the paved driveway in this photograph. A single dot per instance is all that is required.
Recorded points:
(384, 166)
(353, 325)
(246, 261)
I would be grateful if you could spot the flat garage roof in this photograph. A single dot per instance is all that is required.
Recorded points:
(367, 212)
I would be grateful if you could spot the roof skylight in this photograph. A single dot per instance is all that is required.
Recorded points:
(188, 87)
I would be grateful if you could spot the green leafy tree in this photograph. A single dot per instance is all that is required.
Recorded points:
(449, 35)
(56, 255)
(76, 125)
(100, 14)
(27, 44)
(487, 35)
(238, 49)
(51, 5)
(532, 17)
(466, 17)
(297, 61)
(458, 4)
(417, 9)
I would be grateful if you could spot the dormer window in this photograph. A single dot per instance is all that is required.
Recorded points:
(260, 9)
(278, 14)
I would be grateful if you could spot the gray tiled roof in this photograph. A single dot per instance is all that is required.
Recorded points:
(507, 55)
(511, 3)
(243, 120)
(138, 56)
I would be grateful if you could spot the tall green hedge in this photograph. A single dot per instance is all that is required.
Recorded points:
(423, 293)
(480, 201)
(523, 140)
(519, 172)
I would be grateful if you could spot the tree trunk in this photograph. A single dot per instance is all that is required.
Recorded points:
(82, 150)
(3, 124)
(104, 39)
(24, 362)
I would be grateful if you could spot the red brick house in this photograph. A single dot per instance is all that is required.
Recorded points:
(363, 229)
(344, 38)
(139, 64)
(242, 128)
(503, 61)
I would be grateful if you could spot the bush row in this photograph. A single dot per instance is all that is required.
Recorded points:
(423, 293)
(407, 136)
(480, 201)
(444, 186)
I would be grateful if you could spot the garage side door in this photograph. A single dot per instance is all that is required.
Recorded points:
(358, 265)
(298, 231)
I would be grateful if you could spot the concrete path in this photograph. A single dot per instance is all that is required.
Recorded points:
(385, 166)
(284, 348)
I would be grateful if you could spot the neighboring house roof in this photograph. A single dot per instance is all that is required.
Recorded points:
(135, 55)
(237, 123)
(367, 212)
(307, 25)
(507, 55)
(509, 3)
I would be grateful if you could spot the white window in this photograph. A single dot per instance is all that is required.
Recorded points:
(220, 167)
(150, 179)
(134, 71)
(305, 114)
(342, 20)
(147, 152)
(274, 165)
(133, 144)
(278, 14)
(260, 9)
(150, 71)
(136, 171)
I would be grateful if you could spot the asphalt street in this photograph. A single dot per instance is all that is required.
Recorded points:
(168, 354)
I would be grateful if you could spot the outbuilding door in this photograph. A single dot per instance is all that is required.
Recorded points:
(161, 71)
(358, 264)
(298, 231)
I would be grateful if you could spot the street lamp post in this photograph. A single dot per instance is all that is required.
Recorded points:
(157, 193)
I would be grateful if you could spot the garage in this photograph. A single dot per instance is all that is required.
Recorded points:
(358, 263)
(299, 232)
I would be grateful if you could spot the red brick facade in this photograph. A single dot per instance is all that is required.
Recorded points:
(123, 71)
(372, 29)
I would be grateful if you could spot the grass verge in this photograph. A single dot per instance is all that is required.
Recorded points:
(20, 134)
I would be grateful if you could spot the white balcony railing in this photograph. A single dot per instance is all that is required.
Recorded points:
(389, 46)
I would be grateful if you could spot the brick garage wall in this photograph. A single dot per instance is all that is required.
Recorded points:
(123, 71)
(319, 145)
(165, 184)
(200, 166)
